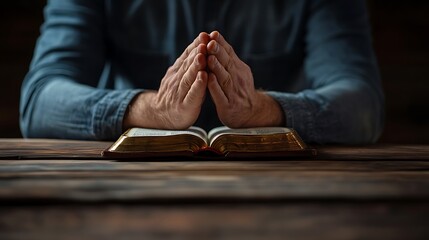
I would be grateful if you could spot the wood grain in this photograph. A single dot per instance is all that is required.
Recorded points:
(213, 185)
(374, 152)
(61, 189)
(45, 148)
(69, 149)
(55, 165)
(217, 221)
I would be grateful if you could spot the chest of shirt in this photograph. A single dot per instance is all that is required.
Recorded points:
(153, 33)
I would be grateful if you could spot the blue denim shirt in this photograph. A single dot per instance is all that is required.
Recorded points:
(313, 56)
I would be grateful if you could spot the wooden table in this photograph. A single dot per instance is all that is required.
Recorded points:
(58, 189)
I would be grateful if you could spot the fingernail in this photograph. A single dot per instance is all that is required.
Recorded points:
(215, 46)
(212, 34)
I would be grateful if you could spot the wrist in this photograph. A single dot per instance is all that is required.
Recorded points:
(139, 112)
(268, 112)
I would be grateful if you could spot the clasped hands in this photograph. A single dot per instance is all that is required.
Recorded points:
(209, 62)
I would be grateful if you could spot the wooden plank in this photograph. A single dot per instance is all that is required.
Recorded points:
(217, 221)
(374, 152)
(170, 185)
(42, 148)
(48, 148)
(19, 166)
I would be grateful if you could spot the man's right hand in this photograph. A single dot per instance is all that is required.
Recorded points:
(177, 103)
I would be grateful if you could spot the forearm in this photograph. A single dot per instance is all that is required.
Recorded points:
(64, 109)
(344, 102)
(346, 112)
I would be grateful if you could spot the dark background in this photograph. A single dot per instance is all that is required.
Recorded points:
(401, 42)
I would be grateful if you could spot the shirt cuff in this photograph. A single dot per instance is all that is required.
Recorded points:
(109, 114)
(299, 113)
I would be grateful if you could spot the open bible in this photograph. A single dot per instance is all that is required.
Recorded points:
(220, 141)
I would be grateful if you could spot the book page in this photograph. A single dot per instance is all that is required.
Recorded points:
(219, 131)
(147, 132)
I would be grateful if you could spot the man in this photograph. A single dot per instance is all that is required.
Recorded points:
(100, 67)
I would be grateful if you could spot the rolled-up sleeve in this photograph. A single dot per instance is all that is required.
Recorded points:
(345, 102)
(59, 96)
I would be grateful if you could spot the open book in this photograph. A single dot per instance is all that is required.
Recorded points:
(222, 141)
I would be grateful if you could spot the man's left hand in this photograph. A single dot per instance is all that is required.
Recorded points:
(238, 103)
